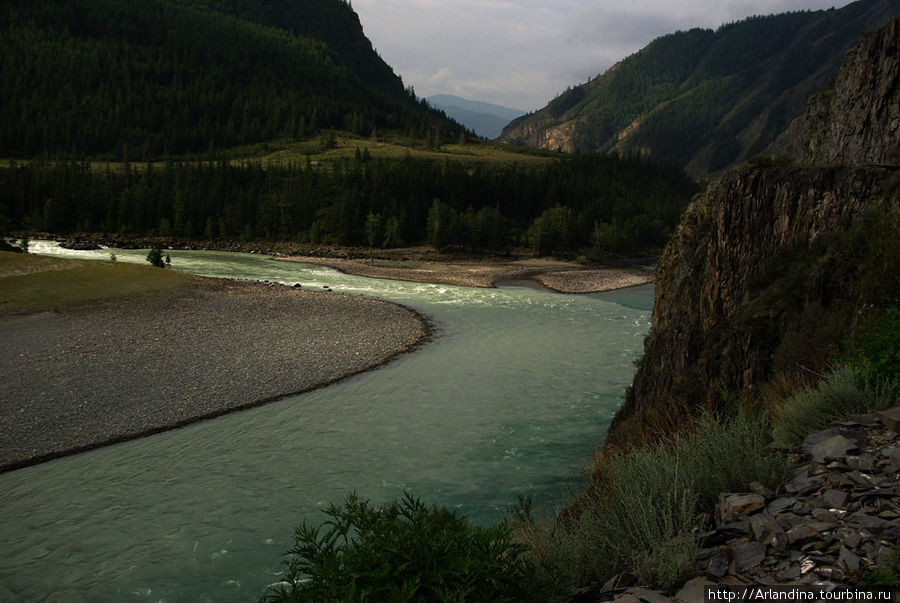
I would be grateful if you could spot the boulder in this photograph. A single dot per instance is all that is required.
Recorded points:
(890, 418)
(732, 506)
(835, 447)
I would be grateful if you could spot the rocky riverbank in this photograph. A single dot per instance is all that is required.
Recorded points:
(80, 379)
(838, 514)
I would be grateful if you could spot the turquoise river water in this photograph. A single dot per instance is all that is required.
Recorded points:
(510, 398)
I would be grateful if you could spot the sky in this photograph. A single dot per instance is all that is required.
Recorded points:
(523, 53)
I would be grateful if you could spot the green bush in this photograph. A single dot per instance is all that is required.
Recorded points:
(813, 409)
(641, 511)
(154, 256)
(885, 577)
(403, 551)
(876, 350)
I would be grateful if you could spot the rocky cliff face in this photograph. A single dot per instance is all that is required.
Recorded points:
(764, 271)
(718, 327)
(858, 121)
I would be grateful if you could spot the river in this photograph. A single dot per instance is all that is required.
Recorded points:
(509, 399)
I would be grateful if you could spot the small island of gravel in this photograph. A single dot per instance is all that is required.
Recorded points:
(119, 369)
(556, 275)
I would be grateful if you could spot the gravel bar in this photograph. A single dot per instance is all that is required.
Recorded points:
(556, 275)
(80, 379)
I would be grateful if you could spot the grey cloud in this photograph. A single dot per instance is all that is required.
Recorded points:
(522, 53)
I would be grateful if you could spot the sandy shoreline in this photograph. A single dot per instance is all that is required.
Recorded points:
(561, 276)
(85, 378)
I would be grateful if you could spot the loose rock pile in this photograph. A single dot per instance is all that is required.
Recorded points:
(839, 513)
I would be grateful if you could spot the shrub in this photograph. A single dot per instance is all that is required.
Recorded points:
(876, 350)
(403, 551)
(154, 256)
(885, 577)
(640, 511)
(813, 409)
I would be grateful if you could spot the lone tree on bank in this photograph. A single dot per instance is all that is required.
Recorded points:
(154, 256)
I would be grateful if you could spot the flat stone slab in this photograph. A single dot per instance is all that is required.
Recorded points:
(835, 447)
(694, 591)
(764, 527)
(890, 418)
(733, 506)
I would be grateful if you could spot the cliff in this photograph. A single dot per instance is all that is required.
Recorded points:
(857, 121)
(767, 270)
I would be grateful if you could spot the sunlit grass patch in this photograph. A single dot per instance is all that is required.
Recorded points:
(34, 283)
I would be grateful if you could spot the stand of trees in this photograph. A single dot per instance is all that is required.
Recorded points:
(156, 77)
(573, 204)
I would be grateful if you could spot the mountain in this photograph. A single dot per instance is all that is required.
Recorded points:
(485, 119)
(701, 98)
(178, 76)
(770, 271)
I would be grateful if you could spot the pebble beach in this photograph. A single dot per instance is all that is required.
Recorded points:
(79, 379)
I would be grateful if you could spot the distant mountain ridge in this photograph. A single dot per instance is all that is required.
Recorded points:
(89, 77)
(705, 99)
(485, 119)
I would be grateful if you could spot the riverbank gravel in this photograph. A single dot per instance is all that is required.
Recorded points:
(556, 275)
(84, 378)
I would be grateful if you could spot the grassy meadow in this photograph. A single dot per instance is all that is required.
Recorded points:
(30, 283)
(344, 146)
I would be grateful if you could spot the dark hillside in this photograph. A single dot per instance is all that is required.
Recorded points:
(89, 77)
(332, 22)
(705, 99)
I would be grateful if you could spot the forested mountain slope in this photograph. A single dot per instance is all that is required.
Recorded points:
(90, 77)
(705, 99)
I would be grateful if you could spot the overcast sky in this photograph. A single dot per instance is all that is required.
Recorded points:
(522, 53)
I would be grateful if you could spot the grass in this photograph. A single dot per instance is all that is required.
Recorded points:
(284, 152)
(641, 512)
(834, 398)
(30, 283)
(346, 147)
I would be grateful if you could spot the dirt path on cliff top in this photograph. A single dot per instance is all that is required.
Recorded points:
(78, 379)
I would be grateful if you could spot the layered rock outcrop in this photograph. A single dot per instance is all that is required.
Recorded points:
(718, 321)
(858, 121)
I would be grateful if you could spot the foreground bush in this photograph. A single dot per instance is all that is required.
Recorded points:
(403, 551)
(876, 350)
(641, 511)
(839, 394)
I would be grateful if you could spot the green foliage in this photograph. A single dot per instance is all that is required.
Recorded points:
(552, 231)
(641, 508)
(403, 551)
(374, 228)
(485, 206)
(393, 233)
(887, 577)
(183, 76)
(154, 256)
(816, 408)
(876, 350)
